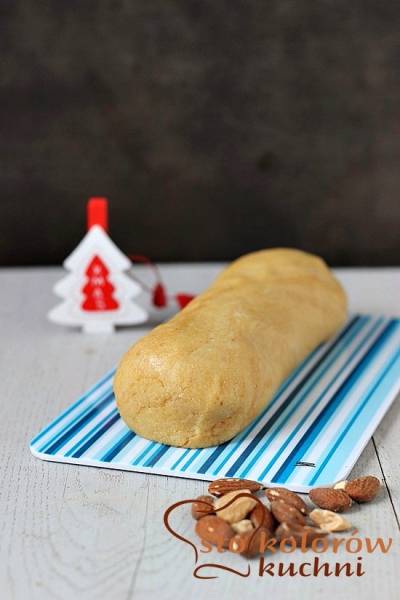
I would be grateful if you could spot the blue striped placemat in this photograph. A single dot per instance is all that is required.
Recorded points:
(311, 432)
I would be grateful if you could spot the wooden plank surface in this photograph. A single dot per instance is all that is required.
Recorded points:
(86, 533)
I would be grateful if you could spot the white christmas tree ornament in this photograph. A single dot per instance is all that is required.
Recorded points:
(97, 293)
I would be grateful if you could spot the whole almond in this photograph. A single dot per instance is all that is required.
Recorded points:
(261, 516)
(286, 513)
(287, 496)
(220, 487)
(214, 530)
(328, 520)
(302, 534)
(330, 499)
(243, 526)
(203, 506)
(251, 543)
(363, 489)
(238, 510)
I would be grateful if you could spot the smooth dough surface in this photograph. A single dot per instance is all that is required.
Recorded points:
(203, 376)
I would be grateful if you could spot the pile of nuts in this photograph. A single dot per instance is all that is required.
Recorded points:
(234, 517)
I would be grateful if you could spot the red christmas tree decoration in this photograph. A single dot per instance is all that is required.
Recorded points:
(98, 291)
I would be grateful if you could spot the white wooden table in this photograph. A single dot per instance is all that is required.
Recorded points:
(85, 533)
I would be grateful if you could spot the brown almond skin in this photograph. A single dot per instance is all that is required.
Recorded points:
(363, 489)
(200, 509)
(330, 499)
(251, 541)
(214, 530)
(261, 516)
(287, 530)
(287, 496)
(219, 487)
(286, 513)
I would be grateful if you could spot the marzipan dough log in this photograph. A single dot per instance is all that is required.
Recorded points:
(200, 378)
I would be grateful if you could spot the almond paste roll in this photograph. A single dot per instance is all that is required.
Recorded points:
(203, 376)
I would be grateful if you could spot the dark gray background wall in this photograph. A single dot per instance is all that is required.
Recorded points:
(215, 127)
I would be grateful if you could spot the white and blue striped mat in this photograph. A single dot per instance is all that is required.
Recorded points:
(311, 433)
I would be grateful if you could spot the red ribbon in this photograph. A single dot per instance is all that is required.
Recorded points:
(158, 292)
